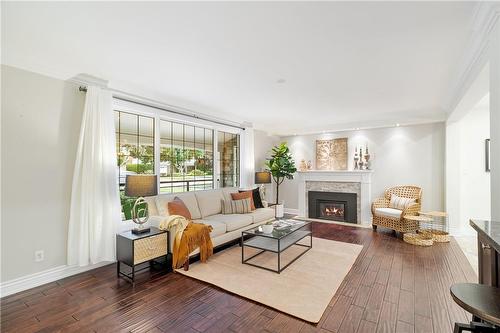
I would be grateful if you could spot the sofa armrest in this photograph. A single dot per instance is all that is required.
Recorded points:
(265, 203)
(379, 203)
(412, 209)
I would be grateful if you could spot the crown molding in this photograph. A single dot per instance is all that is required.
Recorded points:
(89, 80)
(485, 18)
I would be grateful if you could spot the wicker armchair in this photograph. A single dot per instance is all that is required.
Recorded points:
(398, 223)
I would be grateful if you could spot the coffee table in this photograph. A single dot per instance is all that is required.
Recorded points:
(276, 242)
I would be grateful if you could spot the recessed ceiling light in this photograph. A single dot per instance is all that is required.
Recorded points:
(397, 125)
(357, 128)
(280, 81)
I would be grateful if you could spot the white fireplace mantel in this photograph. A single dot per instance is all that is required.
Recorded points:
(363, 177)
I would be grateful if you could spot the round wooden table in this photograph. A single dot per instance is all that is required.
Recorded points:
(415, 238)
(480, 300)
(418, 218)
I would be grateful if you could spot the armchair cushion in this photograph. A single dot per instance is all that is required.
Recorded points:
(398, 202)
(389, 212)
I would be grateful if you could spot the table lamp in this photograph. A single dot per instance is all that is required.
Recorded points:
(263, 177)
(140, 186)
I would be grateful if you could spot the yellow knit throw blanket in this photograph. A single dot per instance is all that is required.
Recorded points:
(188, 237)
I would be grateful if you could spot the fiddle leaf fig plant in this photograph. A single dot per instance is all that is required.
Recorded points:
(281, 165)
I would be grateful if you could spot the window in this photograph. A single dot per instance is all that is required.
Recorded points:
(186, 157)
(134, 145)
(228, 159)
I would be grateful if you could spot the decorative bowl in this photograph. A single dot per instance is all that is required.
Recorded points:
(267, 228)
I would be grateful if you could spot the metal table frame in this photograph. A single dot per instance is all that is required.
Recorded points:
(280, 248)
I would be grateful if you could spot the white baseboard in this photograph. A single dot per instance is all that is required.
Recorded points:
(291, 211)
(37, 279)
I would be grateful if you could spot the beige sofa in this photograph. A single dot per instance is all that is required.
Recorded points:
(205, 207)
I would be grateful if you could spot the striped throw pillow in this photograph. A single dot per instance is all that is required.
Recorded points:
(400, 202)
(242, 206)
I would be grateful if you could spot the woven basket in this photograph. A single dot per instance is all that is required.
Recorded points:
(418, 239)
(438, 236)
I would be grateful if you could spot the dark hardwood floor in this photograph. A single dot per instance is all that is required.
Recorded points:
(393, 287)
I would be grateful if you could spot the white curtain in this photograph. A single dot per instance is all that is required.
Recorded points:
(247, 158)
(95, 203)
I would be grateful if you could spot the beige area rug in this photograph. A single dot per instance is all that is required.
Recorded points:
(304, 289)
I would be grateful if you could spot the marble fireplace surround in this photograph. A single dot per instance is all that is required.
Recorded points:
(358, 182)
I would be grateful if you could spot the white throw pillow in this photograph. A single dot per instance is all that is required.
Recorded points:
(400, 202)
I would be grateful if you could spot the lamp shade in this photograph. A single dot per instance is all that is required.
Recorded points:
(262, 177)
(140, 185)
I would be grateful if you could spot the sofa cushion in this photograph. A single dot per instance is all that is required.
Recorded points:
(219, 228)
(400, 202)
(151, 201)
(257, 200)
(232, 221)
(244, 195)
(188, 198)
(388, 212)
(242, 206)
(209, 202)
(262, 214)
(226, 192)
(178, 207)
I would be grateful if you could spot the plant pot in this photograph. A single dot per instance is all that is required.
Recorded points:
(279, 210)
(267, 228)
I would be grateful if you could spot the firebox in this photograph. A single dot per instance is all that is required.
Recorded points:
(335, 206)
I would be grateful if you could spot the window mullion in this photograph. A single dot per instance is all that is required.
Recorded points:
(156, 150)
(215, 159)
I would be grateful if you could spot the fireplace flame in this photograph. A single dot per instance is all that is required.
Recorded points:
(334, 211)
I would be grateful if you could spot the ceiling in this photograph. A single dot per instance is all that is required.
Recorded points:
(286, 67)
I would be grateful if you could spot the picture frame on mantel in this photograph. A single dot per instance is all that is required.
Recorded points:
(331, 154)
(487, 155)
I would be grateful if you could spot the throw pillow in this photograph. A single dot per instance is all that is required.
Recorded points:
(244, 195)
(257, 200)
(241, 206)
(400, 202)
(178, 207)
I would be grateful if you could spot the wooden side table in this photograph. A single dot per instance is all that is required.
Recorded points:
(418, 219)
(133, 250)
(417, 238)
(438, 226)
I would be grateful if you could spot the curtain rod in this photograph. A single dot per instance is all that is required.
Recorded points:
(84, 89)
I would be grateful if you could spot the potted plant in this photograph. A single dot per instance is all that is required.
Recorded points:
(281, 166)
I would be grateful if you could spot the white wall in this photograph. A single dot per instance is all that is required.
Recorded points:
(263, 144)
(475, 189)
(495, 122)
(40, 126)
(401, 156)
(468, 190)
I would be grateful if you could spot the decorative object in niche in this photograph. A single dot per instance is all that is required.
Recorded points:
(367, 159)
(331, 154)
(303, 165)
(361, 163)
(323, 149)
(356, 159)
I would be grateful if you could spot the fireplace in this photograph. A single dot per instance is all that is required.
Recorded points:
(335, 206)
